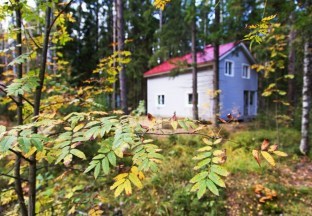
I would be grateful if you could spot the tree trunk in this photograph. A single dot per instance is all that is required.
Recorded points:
(37, 101)
(291, 66)
(121, 38)
(113, 105)
(306, 97)
(216, 94)
(194, 65)
(19, 72)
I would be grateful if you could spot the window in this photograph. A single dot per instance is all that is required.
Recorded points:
(161, 100)
(246, 71)
(252, 96)
(190, 99)
(229, 69)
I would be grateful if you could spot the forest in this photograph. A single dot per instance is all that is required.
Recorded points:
(77, 135)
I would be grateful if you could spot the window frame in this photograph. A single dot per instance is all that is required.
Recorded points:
(232, 68)
(187, 99)
(248, 71)
(164, 100)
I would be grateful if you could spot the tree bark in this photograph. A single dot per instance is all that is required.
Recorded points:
(306, 97)
(33, 163)
(19, 72)
(216, 94)
(194, 65)
(121, 38)
(291, 66)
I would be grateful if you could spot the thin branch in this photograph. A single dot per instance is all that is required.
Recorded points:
(59, 14)
(10, 176)
(31, 38)
(179, 133)
(19, 154)
(17, 103)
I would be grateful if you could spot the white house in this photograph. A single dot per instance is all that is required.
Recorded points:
(238, 83)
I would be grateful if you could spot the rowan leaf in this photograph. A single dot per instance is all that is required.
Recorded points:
(117, 183)
(217, 141)
(199, 177)
(112, 158)
(201, 190)
(256, 155)
(219, 170)
(212, 187)
(280, 153)
(202, 163)
(135, 180)
(119, 189)
(207, 142)
(268, 157)
(78, 153)
(105, 165)
(216, 179)
(206, 148)
(97, 170)
(128, 188)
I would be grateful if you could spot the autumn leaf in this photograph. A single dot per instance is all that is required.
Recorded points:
(255, 154)
(265, 144)
(268, 158)
(280, 153)
(273, 148)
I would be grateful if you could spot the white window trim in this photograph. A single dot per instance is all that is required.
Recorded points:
(233, 66)
(160, 105)
(248, 72)
(186, 99)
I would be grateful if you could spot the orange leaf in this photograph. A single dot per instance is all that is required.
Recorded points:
(265, 144)
(255, 154)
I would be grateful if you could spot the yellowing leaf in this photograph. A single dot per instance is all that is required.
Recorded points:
(206, 141)
(206, 148)
(135, 180)
(78, 127)
(174, 124)
(128, 188)
(78, 153)
(280, 153)
(268, 158)
(255, 154)
(119, 189)
(219, 152)
(117, 183)
(217, 141)
(120, 176)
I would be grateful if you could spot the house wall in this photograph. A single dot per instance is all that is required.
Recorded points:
(176, 90)
(233, 87)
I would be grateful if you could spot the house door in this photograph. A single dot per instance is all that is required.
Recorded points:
(249, 103)
(246, 103)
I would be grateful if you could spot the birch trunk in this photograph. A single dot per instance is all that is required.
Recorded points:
(306, 97)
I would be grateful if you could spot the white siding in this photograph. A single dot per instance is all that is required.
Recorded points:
(176, 90)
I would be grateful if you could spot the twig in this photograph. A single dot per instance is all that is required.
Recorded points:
(10, 176)
(19, 154)
(59, 14)
(17, 103)
(179, 133)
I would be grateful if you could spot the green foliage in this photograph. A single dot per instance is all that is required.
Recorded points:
(25, 85)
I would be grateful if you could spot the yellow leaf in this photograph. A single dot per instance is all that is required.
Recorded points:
(134, 170)
(72, 210)
(78, 127)
(128, 188)
(119, 189)
(120, 176)
(67, 128)
(280, 153)
(268, 157)
(206, 148)
(217, 141)
(32, 150)
(117, 183)
(174, 124)
(206, 141)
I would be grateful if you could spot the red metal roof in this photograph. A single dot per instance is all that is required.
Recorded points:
(202, 57)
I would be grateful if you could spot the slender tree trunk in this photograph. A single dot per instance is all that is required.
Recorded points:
(114, 50)
(33, 164)
(216, 101)
(121, 38)
(194, 65)
(291, 66)
(19, 72)
(306, 97)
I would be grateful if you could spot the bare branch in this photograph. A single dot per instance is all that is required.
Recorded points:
(19, 154)
(10, 176)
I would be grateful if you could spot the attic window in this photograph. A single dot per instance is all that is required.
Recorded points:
(246, 71)
(161, 100)
(229, 68)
